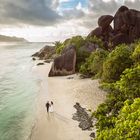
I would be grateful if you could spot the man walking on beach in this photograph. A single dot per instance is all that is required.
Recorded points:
(47, 106)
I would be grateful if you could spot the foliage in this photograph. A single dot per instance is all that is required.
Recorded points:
(129, 83)
(95, 40)
(127, 124)
(58, 47)
(94, 63)
(136, 54)
(117, 61)
(127, 88)
(78, 42)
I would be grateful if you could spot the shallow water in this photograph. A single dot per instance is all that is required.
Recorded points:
(18, 90)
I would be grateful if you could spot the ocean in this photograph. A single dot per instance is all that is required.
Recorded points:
(19, 87)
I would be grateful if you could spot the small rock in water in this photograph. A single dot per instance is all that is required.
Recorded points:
(40, 64)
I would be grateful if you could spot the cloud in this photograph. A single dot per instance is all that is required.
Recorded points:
(65, 17)
(98, 8)
(34, 12)
(134, 4)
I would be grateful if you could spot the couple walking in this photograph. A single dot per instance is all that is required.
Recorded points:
(49, 106)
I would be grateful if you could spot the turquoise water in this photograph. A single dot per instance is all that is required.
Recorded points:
(18, 90)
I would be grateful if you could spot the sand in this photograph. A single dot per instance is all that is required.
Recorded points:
(64, 93)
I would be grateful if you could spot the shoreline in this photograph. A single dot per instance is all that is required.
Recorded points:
(64, 93)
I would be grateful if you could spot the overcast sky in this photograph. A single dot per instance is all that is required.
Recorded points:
(50, 20)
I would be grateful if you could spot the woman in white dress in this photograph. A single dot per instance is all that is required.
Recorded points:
(51, 107)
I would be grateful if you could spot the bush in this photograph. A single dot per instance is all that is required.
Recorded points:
(95, 40)
(78, 42)
(136, 54)
(94, 63)
(129, 83)
(58, 47)
(117, 61)
(127, 125)
(127, 88)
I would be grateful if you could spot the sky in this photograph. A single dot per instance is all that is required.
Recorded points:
(53, 20)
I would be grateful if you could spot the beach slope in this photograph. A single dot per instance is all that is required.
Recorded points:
(64, 93)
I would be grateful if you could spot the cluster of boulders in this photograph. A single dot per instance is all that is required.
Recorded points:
(47, 52)
(126, 29)
(84, 119)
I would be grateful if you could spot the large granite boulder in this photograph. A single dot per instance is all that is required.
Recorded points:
(105, 20)
(64, 64)
(119, 18)
(119, 39)
(89, 47)
(127, 21)
(96, 32)
(134, 24)
(45, 53)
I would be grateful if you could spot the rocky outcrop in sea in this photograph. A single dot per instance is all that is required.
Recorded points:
(47, 52)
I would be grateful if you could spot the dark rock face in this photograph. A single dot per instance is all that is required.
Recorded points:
(45, 53)
(92, 135)
(64, 64)
(134, 27)
(33, 59)
(119, 18)
(126, 27)
(85, 121)
(119, 39)
(105, 21)
(96, 32)
(40, 64)
(89, 47)
(48, 61)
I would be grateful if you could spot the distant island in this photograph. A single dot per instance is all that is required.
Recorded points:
(4, 38)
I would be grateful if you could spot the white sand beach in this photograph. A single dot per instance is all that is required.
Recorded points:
(64, 93)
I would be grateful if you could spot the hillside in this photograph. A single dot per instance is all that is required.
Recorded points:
(4, 38)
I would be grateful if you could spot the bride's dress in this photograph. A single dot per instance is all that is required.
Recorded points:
(51, 109)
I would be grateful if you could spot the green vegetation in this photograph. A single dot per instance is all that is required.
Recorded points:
(58, 47)
(118, 117)
(108, 113)
(79, 42)
(136, 54)
(95, 40)
(94, 63)
(117, 61)
(126, 124)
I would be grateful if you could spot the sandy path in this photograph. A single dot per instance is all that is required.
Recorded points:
(64, 93)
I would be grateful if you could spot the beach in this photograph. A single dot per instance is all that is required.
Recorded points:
(64, 92)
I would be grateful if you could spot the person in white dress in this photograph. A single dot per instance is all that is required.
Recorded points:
(51, 109)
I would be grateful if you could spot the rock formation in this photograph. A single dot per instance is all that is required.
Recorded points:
(84, 119)
(45, 53)
(64, 64)
(126, 29)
